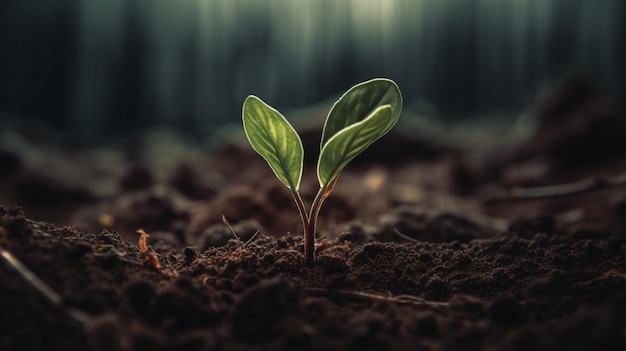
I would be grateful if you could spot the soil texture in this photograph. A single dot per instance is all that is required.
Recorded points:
(432, 241)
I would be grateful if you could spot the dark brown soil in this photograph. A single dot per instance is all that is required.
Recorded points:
(423, 245)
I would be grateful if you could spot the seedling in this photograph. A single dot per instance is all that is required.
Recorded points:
(361, 116)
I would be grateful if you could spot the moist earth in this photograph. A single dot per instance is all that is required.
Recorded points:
(424, 244)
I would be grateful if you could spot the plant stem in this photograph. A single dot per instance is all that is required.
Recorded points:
(309, 230)
(301, 208)
(307, 224)
(309, 238)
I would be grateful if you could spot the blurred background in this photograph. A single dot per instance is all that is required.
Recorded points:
(97, 68)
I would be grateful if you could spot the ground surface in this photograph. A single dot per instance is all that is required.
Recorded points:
(434, 245)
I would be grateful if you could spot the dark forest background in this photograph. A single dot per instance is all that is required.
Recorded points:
(103, 67)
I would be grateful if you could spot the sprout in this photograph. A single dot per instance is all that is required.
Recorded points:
(361, 116)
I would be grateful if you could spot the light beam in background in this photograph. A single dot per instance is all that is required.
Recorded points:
(190, 63)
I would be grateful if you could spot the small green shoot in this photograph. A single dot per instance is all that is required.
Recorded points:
(361, 116)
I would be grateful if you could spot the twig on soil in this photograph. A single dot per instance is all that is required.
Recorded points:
(95, 328)
(361, 295)
(43, 288)
(251, 238)
(225, 221)
(578, 187)
(404, 236)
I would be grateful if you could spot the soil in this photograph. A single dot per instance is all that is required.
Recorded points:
(424, 244)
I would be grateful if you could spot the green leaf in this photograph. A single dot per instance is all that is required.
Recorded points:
(346, 144)
(359, 102)
(271, 135)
